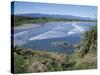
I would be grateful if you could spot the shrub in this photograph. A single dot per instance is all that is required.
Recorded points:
(88, 43)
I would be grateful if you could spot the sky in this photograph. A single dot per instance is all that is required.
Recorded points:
(54, 9)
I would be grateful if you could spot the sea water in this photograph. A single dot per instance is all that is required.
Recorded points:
(41, 38)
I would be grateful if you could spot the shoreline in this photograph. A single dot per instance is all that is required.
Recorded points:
(25, 26)
(33, 25)
(36, 25)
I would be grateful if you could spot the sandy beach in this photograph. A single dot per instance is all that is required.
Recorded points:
(25, 26)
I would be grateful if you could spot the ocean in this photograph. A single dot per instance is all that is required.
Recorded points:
(42, 37)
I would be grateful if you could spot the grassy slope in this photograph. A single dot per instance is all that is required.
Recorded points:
(85, 57)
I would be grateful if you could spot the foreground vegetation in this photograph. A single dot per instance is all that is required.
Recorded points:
(85, 57)
(19, 20)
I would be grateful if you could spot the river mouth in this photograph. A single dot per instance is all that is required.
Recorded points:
(40, 38)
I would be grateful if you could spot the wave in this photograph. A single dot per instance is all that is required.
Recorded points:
(21, 38)
(77, 29)
(49, 34)
(20, 33)
(59, 31)
(56, 32)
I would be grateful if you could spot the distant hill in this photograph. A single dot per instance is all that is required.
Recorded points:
(38, 15)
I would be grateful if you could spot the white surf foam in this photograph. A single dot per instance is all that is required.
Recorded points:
(47, 35)
(59, 31)
(54, 33)
(21, 38)
(77, 29)
(21, 33)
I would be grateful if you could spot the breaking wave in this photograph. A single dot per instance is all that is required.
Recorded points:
(58, 32)
(76, 29)
(21, 38)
